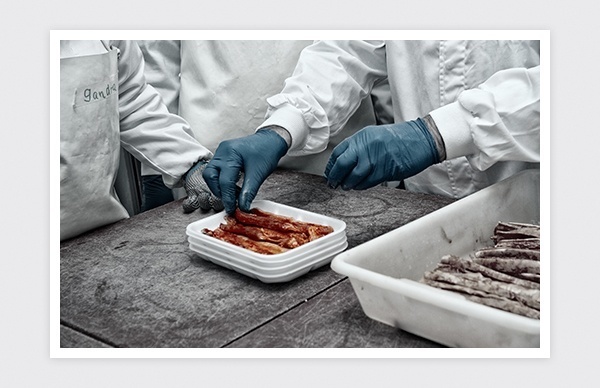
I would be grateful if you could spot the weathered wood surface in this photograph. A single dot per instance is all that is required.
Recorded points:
(136, 283)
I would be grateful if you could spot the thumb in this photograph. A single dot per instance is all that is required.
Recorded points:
(335, 154)
(216, 203)
(191, 203)
(249, 190)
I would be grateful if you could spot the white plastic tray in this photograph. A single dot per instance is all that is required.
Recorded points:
(263, 261)
(339, 228)
(280, 267)
(385, 271)
(272, 275)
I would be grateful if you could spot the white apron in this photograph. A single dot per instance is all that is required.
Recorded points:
(89, 143)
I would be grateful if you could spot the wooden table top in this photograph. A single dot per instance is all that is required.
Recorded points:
(136, 283)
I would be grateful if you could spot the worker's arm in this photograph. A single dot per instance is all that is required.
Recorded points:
(148, 131)
(157, 137)
(328, 85)
(497, 121)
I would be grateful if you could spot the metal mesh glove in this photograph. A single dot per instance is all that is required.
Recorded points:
(198, 193)
(381, 153)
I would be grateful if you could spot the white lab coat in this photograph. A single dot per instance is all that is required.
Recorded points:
(483, 95)
(222, 85)
(93, 122)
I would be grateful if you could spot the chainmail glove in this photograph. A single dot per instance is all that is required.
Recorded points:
(198, 193)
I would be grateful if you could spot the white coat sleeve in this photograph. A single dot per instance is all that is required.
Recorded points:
(329, 82)
(496, 121)
(162, 66)
(149, 132)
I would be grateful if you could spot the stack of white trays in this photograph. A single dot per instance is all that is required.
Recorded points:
(275, 268)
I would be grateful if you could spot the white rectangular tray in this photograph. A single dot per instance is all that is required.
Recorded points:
(272, 275)
(339, 228)
(385, 271)
(267, 261)
(306, 261)
(280, 267)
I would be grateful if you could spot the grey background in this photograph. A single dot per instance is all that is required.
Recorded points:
(24, 274)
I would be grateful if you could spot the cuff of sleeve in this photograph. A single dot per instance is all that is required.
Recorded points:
(281, 132)
(147, 170)
(437, 137)
(291, 119)
(177, 179)
(452, 122)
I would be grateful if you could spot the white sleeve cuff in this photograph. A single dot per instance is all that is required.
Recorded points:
(291, 119)
(452, 121)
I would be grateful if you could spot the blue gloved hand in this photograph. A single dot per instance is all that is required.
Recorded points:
(381, 153)
(198, 193)
(256, 155)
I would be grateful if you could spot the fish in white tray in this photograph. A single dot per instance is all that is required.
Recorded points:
(265, 232)
(505, 276)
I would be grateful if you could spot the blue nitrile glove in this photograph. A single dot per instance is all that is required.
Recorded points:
(383, 153)
(198, 193)
(256, 155)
